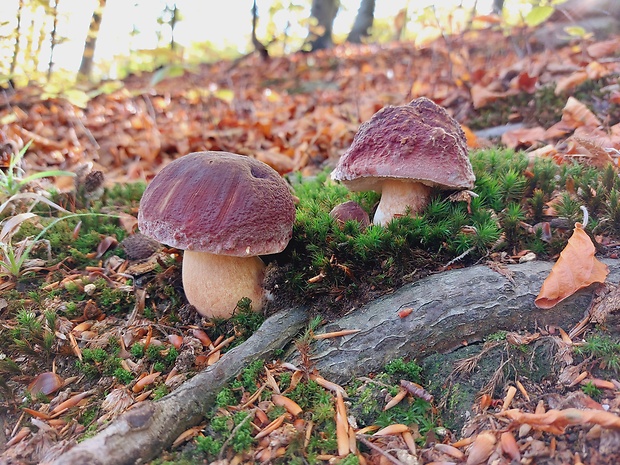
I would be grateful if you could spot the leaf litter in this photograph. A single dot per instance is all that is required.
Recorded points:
(297, 113)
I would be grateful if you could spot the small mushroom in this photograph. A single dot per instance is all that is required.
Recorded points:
(403, 152)
(224, 210)
(350, 210)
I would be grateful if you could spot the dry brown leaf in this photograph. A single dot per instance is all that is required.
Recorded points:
(575, 269)
(556, 421)
(576, 114)
(481, 449)
(604, 48)
(568, 83)
(523, 137)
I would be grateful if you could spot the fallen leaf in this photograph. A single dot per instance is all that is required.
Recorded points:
(575, 269)
(556, 421)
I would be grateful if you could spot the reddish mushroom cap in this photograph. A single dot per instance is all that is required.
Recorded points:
(350, 210)
(218, 202)
(418, 141)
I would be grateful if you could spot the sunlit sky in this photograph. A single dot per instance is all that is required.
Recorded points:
(222, 22)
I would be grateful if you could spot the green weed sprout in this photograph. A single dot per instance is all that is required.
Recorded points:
(12, 259)
(11, 181)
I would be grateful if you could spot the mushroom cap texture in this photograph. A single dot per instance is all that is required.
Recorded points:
(350, 210)
(419, 141)
(218, 202)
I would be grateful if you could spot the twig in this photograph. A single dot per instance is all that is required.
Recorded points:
(362, 439)
(456, 259)
(233, 432)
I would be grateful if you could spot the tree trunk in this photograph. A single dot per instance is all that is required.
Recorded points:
(325, 11)
(174, 18)
(86, 66)
(142, 432)
(448, 310)
(363, 21)
(20, 8)
(258, 46)
(50, 66)
(498, 6)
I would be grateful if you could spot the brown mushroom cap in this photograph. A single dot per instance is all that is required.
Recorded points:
(350, 211)
(419, 141)
(218, 202)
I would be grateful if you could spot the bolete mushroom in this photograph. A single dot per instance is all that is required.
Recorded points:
(403, 152)
(350, 211)
(224, 210)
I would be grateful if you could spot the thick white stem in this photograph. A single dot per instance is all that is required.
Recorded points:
(400, 197)
(215, 283)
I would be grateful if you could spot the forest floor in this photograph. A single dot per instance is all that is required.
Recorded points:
(93, 319)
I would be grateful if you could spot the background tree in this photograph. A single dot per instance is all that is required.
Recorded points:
(363, 21)
(324, 12)
(16, 34)
(86, 65)
(169, 17)
(53, 36)
(258, 46)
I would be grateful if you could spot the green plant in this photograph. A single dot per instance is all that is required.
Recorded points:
(12, 178)
(206, 444)
(590, 389)
(12, 260)
(225, 397)
(410, 370)
(34, 334)
(605, 349)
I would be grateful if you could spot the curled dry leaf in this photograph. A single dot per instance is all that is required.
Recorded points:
(599, 383)
(342, 427)
(21, 434)
(481, 449)
(274, 425)
(145, 381)
(556, 421)
(396, 428)
(290, 405)
(45, 383)
(510, 446)
(450, 450)
(510, 394)
(328, 385)
(202, 337)
(402, 393)
(71, 402)
(175, 340)
(576, 269)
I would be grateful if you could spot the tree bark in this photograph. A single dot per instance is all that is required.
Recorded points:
(447, 310)
(325, 11)
(363, 22)
(53, 42)
(86, 65)
(258, 46)
(141, 433)
(17, 33)
(498, 6)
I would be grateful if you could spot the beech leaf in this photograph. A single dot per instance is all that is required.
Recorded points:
(575, 269)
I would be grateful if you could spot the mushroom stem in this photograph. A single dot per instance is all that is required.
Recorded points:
(399, 197)
(215, 283)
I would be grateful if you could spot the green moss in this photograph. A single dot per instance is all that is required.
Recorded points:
(408, 370)
(604, 349)
(225, 397)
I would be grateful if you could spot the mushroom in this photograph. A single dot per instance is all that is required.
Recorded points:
(224, 210)
(403, 152)
(350, 210)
